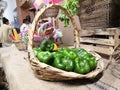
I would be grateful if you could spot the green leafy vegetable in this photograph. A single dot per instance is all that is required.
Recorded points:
(72, 6)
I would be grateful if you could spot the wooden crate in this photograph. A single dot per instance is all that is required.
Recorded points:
(100, 40)
(94, 14)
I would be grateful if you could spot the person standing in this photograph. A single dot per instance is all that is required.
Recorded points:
(5, 31)
(24, 26)
(29, 20)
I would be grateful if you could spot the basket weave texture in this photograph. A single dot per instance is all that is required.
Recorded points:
(21, 45)
(115, 62)
(47, 72)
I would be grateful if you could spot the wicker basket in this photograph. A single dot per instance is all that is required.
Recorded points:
(115, 62)
(21, 45)
(47, 72)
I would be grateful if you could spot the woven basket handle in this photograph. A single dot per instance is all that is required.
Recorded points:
(37, 17)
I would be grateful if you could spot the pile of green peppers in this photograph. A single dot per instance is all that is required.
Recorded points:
(68, 59)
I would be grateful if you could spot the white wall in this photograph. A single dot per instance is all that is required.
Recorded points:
(8, 13)
(68, 32)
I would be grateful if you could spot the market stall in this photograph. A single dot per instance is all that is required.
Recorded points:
(33, 69)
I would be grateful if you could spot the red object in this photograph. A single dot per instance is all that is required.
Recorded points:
(12, 36)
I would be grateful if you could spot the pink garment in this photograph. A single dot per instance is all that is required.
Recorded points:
(40, 3)
(37, 4)
(52, 1)
(36, 37)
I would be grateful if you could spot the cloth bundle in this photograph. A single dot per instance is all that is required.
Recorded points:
(58, 33)
(40, 3)
(24, 35)
(46, 28)
(36, 37)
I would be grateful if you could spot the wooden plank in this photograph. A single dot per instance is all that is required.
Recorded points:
(98, 32)
(116, 37)
(86, 32)
(90, 27)
(98, 49)
(93, 15)
(98, 44)
(97, 41)
(94, 24)
(98, 2)
(94, 20)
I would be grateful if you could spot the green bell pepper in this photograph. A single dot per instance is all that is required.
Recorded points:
(75, 50)
(57, 54)
(47, 45)
(68, 52)
(93, 63)
(45, 57)
(69, 64)
(63, 63)
(58, 63)
(36, 51)
(81, 66)
(82, 52)
(62, 49)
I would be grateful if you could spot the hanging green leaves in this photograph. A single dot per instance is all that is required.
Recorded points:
(72, 6)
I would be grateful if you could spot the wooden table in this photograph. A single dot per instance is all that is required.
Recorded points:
(21, 77)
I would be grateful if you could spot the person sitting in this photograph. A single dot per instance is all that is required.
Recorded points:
(5, 31)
